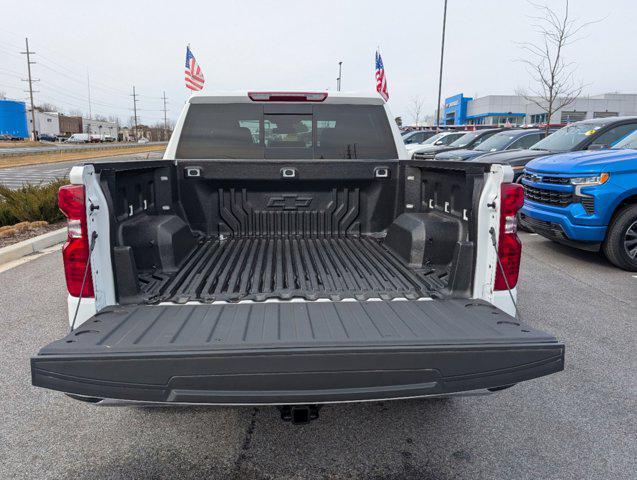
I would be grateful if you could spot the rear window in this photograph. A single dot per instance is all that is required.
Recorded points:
(263, 131)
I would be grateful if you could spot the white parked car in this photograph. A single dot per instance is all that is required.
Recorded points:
(143, 140)
(442, 138)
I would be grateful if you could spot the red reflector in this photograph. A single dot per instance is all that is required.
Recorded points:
(287, 96)
(509, 245)
(75, 252)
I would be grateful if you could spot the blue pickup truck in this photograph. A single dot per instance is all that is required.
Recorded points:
(586, 199)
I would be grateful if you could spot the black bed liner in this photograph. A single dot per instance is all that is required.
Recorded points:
(261, 267)
(295, 352)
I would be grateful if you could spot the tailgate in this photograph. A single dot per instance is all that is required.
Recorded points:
(295, 352)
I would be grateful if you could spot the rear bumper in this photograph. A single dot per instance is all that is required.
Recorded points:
(293, 377)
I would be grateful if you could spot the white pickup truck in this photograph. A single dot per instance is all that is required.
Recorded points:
(286, 252)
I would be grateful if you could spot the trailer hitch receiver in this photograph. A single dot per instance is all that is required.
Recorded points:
(299, 414)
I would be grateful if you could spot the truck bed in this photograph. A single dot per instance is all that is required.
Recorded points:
(258, 268)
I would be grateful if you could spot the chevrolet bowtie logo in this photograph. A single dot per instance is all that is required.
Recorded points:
(289, 202)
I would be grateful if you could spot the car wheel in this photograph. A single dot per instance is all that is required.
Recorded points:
(620, 246)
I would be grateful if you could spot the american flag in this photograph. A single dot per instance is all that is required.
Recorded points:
(194, 75)
(381, 80)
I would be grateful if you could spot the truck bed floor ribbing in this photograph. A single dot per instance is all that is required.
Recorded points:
(257, 268)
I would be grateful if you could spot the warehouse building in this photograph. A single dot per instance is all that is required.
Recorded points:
(69, 124)
(13, 119)
(99, 127)
(515, 109)
(46, 123)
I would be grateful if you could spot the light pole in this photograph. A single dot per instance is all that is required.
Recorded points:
(338, 80)
(442, 55)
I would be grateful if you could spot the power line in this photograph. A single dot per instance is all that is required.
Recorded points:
(28, 53)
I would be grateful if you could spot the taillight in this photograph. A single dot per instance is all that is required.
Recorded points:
(509, 245)
(75, 251)
(287, 96)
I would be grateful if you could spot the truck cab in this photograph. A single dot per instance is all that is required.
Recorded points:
(285, 251)
(587, 200)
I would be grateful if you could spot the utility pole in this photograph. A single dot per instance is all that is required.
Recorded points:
(442, 54)
(338, 80)
(88, 83)
(28, 53)
(165, 120)
(134, 95)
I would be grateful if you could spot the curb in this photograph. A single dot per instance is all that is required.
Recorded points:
(31, 245)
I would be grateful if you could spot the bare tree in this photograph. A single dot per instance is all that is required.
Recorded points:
(3, 95)
(415, 109)
(76, 113)
(46, 107)
(553, 78)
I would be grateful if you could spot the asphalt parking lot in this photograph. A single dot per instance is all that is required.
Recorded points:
(578, 424)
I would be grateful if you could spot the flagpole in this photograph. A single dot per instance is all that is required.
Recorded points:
(442, 54)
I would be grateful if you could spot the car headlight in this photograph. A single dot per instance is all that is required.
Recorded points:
(594, 180)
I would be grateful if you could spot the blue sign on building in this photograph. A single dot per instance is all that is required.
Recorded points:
(455, 111)
(13, 119)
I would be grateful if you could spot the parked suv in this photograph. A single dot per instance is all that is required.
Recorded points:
(595, 134)
(468, 140)
(587, 200)
(507, 140)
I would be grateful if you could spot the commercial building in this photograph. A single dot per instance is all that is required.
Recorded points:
(517, 110)
(99, 127)
(13, 119)
(47, 123)
(70, 124)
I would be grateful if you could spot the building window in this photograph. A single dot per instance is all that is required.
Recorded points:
(538, 118)
(605, 114)
(570, 117)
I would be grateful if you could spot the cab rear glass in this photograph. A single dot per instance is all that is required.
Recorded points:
(270, 131)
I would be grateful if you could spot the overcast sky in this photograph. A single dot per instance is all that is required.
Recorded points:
(291, 45)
